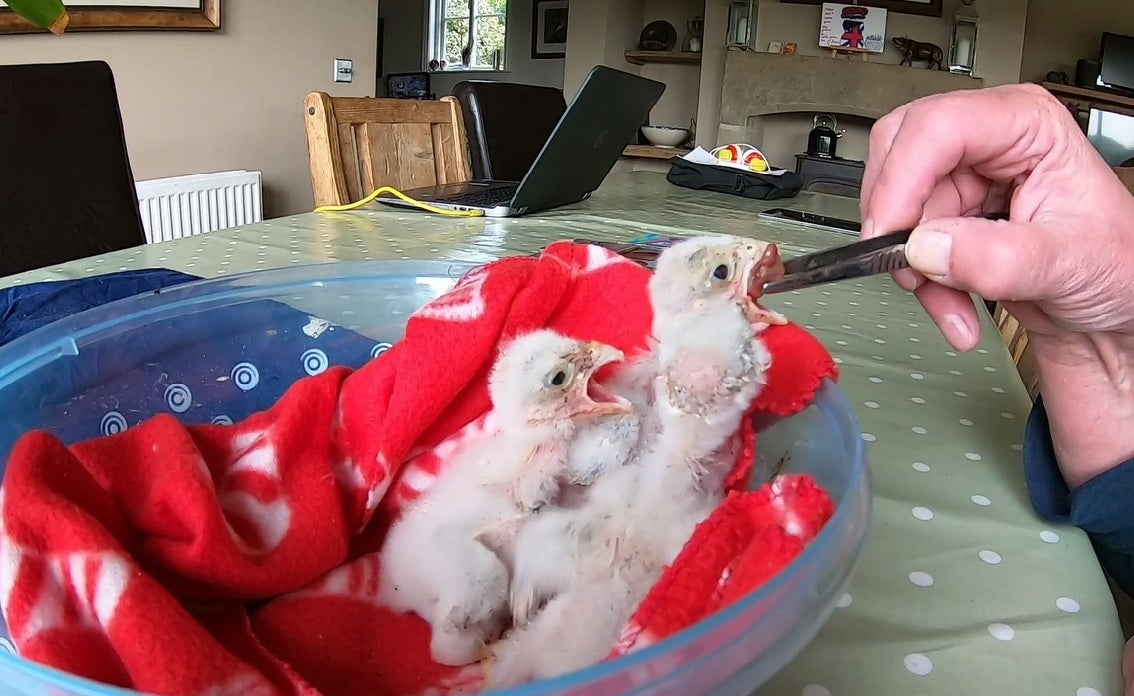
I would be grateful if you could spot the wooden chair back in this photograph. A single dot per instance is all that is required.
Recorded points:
(358, 144)
(1016, 339)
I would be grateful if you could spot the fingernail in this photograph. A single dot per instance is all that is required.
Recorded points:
(929, 251)
(959, 333)
(908, 280)
(867, 230)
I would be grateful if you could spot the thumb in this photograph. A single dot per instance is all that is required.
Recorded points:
(996, 259)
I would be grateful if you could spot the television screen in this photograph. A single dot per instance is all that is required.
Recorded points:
(1116, 62)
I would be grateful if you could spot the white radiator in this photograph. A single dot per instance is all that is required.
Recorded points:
(182, 206)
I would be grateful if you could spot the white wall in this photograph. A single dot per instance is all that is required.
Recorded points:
(678, 105)
(196, 102)
(405, 40)
(601, 31)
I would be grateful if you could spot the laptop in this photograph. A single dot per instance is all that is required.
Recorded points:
(598, 124)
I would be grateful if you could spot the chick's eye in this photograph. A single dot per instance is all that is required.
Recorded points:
(559, 376)
(721, 272)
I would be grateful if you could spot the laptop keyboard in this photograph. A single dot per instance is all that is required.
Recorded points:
(485, 198)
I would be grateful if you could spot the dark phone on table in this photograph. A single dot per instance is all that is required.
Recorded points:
(834, 223)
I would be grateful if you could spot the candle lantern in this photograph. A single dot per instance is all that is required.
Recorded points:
(963, 44)
(742, 23)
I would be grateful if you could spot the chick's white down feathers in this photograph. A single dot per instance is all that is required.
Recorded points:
(431, 562)
(532, 549)
(578, 573)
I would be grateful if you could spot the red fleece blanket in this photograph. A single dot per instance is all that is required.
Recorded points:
(240, 559)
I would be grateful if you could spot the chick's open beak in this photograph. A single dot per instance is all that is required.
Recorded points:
(593, 398)
(769, 266)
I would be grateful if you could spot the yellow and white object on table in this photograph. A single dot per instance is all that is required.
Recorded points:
(735, 156)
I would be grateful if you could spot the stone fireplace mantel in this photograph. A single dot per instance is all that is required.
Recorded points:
(762, 84)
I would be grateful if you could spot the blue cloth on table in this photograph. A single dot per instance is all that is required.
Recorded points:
(1103, 507)
(219, 363)
(24, 308)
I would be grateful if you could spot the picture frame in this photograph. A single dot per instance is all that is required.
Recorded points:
(549, 29)
(927, 8)
(126, 15)
(857, 27)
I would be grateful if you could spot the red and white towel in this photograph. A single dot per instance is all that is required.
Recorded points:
(211, 559)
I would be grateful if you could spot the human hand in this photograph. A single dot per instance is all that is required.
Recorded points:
(1063, 264)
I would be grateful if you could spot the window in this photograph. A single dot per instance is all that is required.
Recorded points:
(466, 34)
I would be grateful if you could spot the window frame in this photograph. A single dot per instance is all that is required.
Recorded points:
(433, 45)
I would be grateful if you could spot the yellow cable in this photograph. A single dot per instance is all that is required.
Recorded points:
(390, 189)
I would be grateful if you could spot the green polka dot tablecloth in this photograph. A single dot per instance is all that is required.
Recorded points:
(961, 589)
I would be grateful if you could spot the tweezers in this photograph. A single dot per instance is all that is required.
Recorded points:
(863, 258)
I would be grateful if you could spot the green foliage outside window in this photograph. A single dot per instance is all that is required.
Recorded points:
(489, 24)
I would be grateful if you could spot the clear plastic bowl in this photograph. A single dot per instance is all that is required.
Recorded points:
(53, 376)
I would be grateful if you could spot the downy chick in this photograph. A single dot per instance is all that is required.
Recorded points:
(590, 567)
(543, 390)
(699, 275)
(710, 271)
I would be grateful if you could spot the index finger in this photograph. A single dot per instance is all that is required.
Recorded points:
(1000, 132)
(878, 147)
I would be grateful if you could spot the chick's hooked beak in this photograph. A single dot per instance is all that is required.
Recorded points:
(755, 271)
(591, 398)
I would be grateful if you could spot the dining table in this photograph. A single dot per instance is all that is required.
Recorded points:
(960, 589)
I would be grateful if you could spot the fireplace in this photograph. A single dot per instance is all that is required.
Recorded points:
(769, 100)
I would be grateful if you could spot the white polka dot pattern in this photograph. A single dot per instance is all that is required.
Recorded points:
(918, 664)
(921, 579)
(990, 557)
(923, 513)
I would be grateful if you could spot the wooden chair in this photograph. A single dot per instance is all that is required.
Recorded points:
(358, 144)
(1016, 338)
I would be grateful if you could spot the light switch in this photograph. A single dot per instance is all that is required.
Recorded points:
(344, 70)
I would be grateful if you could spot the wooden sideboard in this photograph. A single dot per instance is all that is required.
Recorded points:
(1080, 100)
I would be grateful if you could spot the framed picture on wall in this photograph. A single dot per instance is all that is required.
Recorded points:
(929, 8)
(126, 15)
(549, 28)
(853, 27)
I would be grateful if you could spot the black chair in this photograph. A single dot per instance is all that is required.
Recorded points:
(66, 187)
(506, 124)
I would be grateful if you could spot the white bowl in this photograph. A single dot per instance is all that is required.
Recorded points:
(665, 136)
